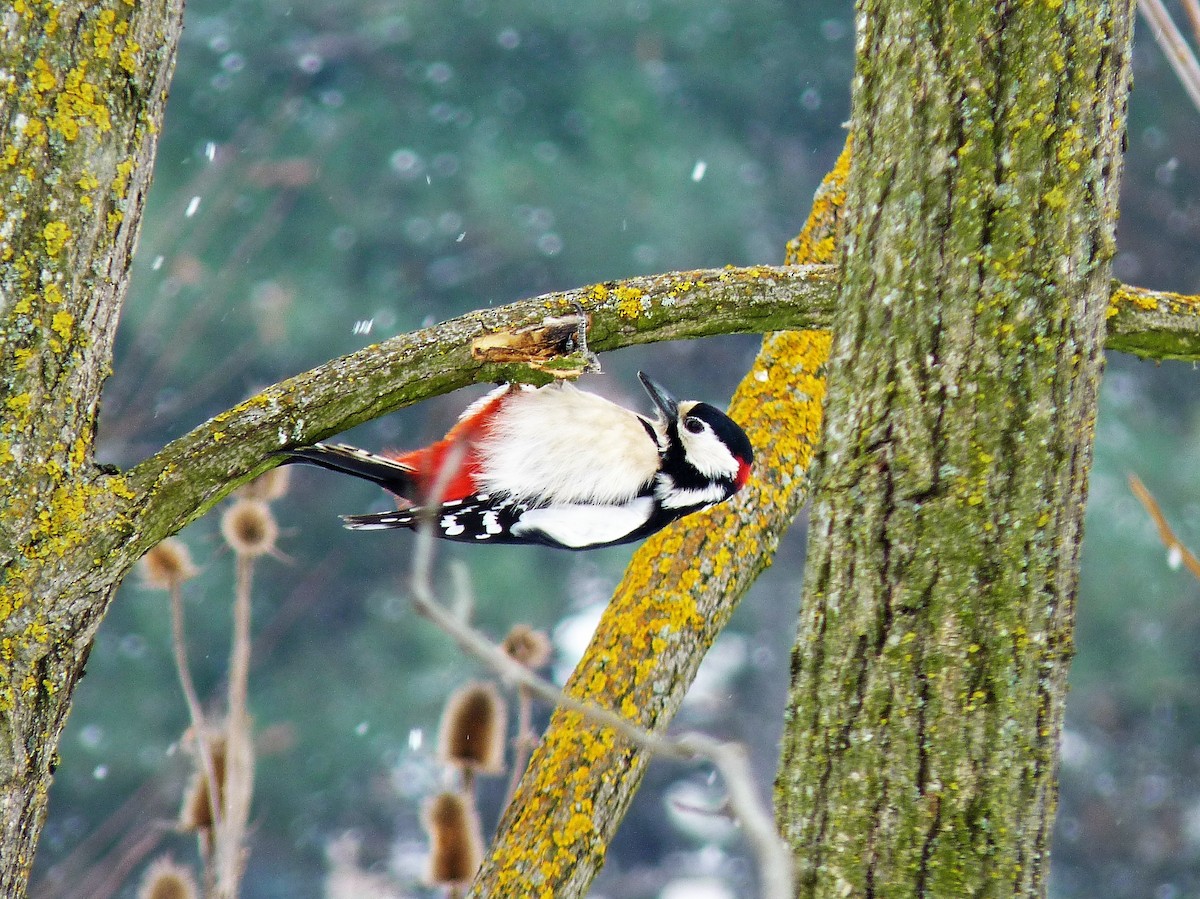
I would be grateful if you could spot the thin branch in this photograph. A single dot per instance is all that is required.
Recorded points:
(774, 857)
(239, 653)
(65, 876)
(195, 710)
(1192, 8)
(229, 844)
(477, 645)
(524, 742)
(103, 882)
(1173, 45)
(1174, 547)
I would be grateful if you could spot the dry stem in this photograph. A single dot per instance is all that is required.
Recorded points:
(1165, 534)
(195, 710)
(1171, 41)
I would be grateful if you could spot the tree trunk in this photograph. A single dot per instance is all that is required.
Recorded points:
(84, 86)
(930, 669)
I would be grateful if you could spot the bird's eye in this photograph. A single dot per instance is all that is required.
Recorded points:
(693, 424)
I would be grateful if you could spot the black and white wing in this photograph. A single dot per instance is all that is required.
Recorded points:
(479, 519)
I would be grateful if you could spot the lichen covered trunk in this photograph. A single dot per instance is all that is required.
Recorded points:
(930, 669)
(84, 86)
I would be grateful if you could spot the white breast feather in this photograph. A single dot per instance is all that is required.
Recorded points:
(577, 526)
(558, 444)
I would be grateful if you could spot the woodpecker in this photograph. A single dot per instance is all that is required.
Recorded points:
(556, 466)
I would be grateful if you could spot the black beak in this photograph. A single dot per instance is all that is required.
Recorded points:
(666, 403)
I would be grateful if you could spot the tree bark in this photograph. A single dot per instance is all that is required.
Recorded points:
(930, 670)
(85, 85)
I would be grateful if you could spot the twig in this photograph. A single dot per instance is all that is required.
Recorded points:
(1165, 534)
(229, 855)
(61, 878)
(1192, 8)
(525, 740)
(239, 655)
(130, 852)
(1171, 41)
(179, 644)
(774, 856)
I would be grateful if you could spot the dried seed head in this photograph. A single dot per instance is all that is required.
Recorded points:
(249, 527)
(473, 729)
(167, 879)
(196, 812)
(167, 565)
(528, 646)
(455, 840)
(268, 486)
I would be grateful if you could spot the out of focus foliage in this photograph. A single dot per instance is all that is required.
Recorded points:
(335, 173)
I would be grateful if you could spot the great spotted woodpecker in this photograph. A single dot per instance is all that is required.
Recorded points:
(557, 466)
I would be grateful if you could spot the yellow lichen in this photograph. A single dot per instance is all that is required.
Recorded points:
(120, 183)
(629, 301)
(79, 104)
(43, 78)
(61, 324)
(56, 234)
(128, 57)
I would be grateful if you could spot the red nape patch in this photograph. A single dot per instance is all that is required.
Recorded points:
(743, 474)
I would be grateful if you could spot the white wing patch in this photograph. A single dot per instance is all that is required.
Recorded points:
(559, 445)
(578, 526)
(451, 526)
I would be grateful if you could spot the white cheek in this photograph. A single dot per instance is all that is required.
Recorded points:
(708, 454)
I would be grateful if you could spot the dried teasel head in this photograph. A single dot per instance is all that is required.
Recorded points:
(167, 565)
(167, 879)
(249, 528)
(196, 812)
(472, 733)
(528, 646)
(455, 840)
(268, 486)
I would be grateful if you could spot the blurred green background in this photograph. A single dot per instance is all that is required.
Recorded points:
(332, 174)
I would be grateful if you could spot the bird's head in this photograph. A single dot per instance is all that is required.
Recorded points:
(706, 456)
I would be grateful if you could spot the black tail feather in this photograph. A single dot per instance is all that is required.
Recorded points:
(382, 521)
(387, 473)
